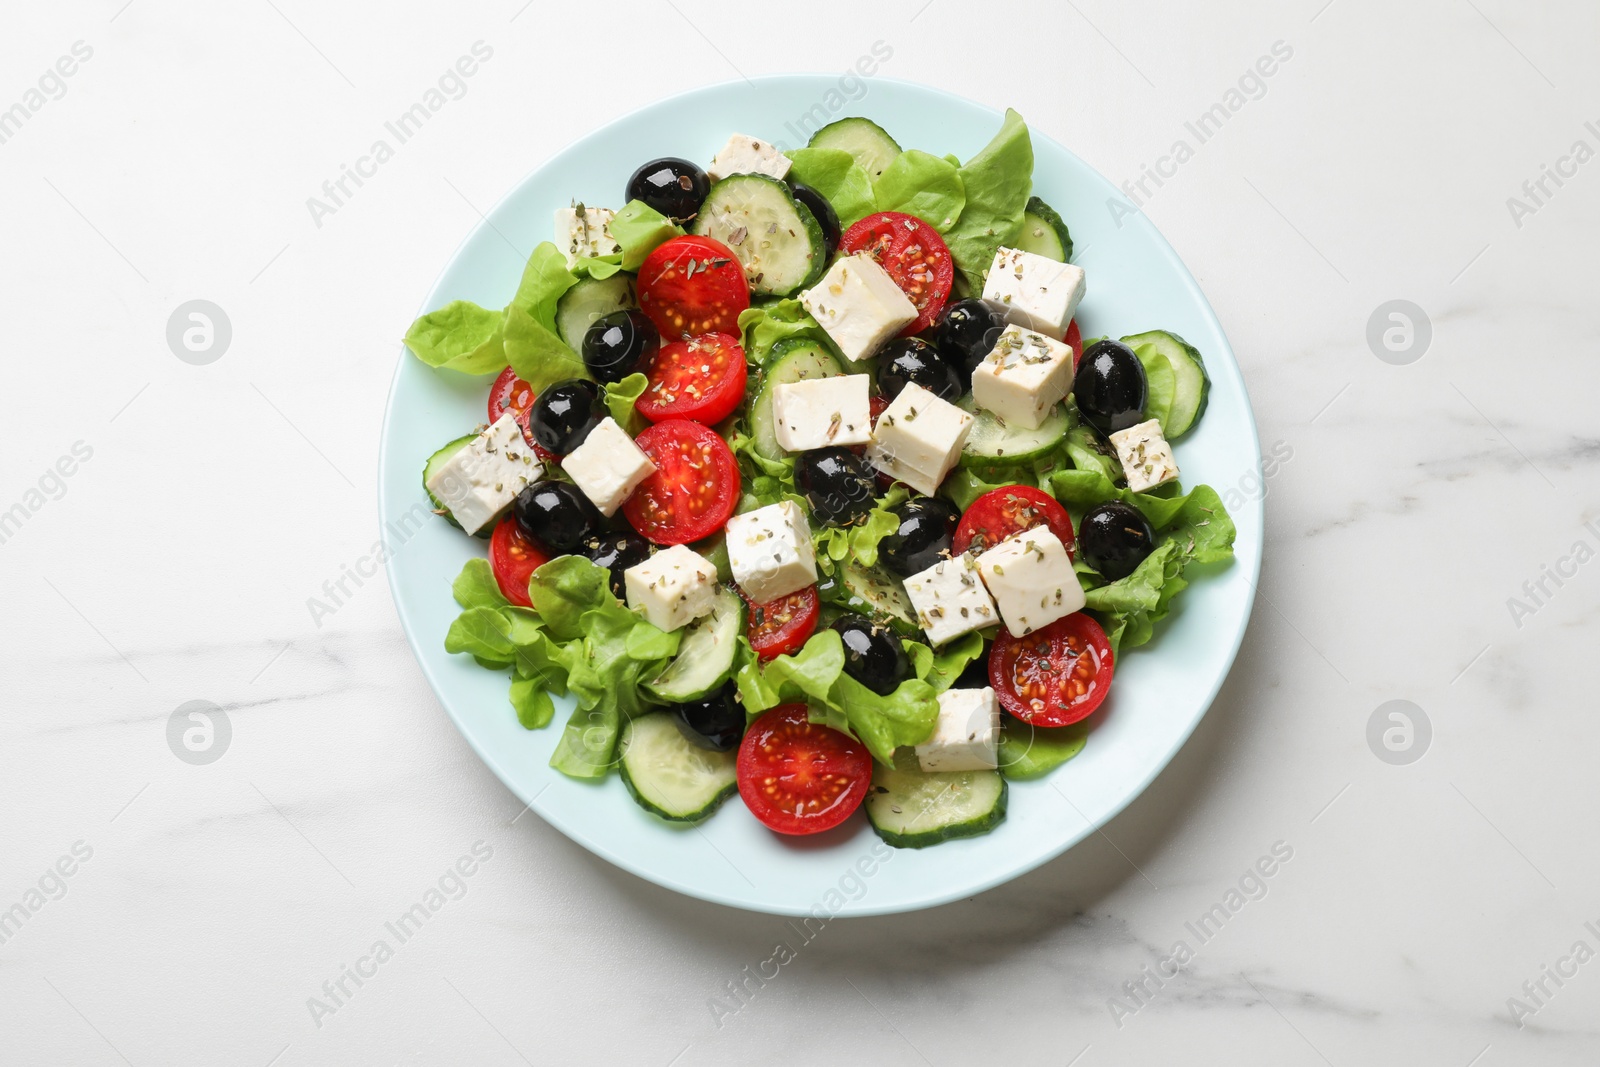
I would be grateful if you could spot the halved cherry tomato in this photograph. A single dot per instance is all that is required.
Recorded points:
(692, 285)
(1075, 339)
(513, 558)
(694, 488)
(1011, 509)
(915, 256)
(700, 379)
(800, 777)
(779, 627)
(511, 394)
(1055, 676)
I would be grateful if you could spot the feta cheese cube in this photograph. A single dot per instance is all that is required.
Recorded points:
(918, 438)
(818, 412)
(1034, 291)
(585, 231)
(1031, 579)
(967, 734)
(746, 155)
(478, 483)
(608, 466)
(770, 551)
(950, 599)
(1146, 456)
(858, 305)
(673, 588)
(1023, 377)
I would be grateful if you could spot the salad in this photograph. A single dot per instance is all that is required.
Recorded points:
(798, 477)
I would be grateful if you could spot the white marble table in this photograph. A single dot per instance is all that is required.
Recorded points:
(206, 504)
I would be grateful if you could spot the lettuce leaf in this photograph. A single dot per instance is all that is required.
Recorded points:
(1031, 752)
(533, 347)
(842, 181)
(860, 541)
(997, 182)
(461, 336)
(762, 326)
(620, 398)
(922, 185)
(639, 229)
(475, 586)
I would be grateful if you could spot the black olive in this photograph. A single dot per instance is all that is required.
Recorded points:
(617, 552)
(1114, 539)
(927, 525)
(838, 484)
(827, 218)
(1110, 387)
(975, 675)
(563, 415)
(619, 344)
(556, 516)
(966, 333)
(873, 654)
(911, 360)
(717, 722)
(674, 187)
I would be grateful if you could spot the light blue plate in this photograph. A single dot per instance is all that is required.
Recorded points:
(1136, 282)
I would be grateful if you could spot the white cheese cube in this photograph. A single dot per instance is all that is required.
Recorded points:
(858, 305)
(1031, 579)
(918, 439)
(583, 231)
(770, 551)
(1146, 456)
(950, 599)
(1034, 291)
(1023, 377)
(818, 412)
(478, 483)
(608, 466)
(746, 155)
(967, 734)
(673, 588)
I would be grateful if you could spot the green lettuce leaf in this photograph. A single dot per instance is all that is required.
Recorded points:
(620, 398)
(997, 182)
(531, 700)
(461, 336)
(484, 633)
(639, 229)
(532, 344)
(945, 664)
(475, 586)
(764, 325)
(842, 181)
(1162, 384)
(1031, 752)
(922, 185)
(860, 540)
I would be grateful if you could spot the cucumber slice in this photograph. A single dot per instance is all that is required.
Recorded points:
(866, 140)
(587, 301)
(910, 808)
(437, 460)
(1043, 232)
(1191, 384)
(993, 442)
(669, 775)
(871, 591)
(1161, 382)
(793, 359)
(705, 655)
(774, 236)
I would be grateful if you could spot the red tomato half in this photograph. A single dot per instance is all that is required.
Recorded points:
(700, 379)
(801, 777)
(694, 488)
(513, 558)
(511, 394)
(780, 627)
(1011, 509)
(1075, 339)
(915, 256)
(1054, 676)
(693, 285)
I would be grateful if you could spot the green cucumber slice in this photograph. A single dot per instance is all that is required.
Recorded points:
(793, 359)
(1191, 384)
(1043, 232)
(437, 460)
(873, 148)
(775, 237)
(669, 775)
(871, 591)
(910, 808)
(993, 442)
(587, 301)
(705, 655)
